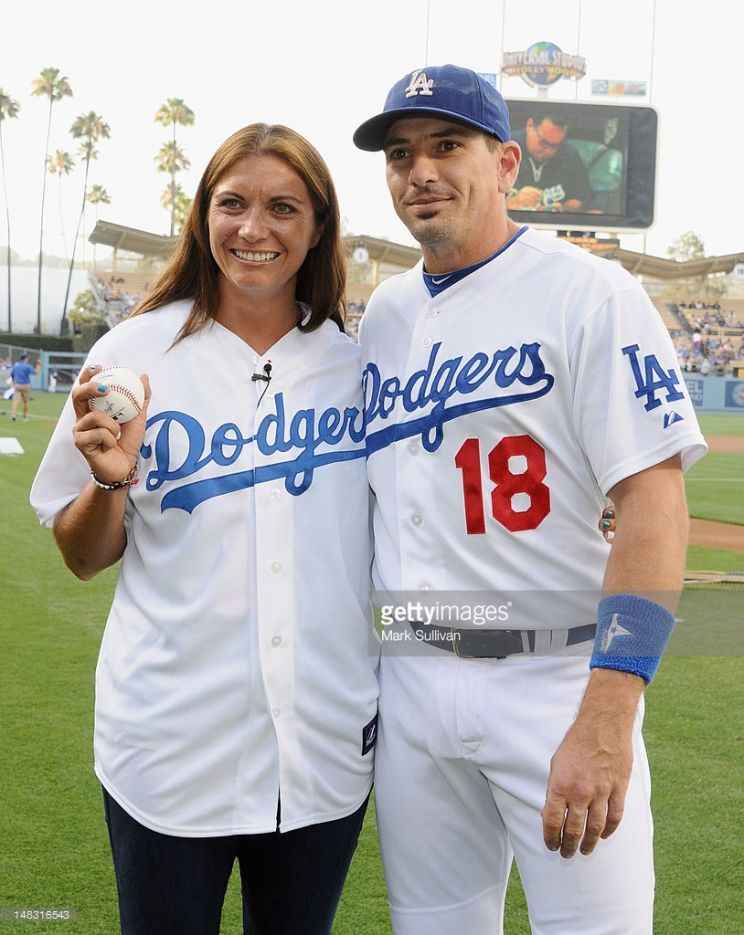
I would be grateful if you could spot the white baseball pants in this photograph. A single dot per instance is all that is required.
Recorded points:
(461, 770)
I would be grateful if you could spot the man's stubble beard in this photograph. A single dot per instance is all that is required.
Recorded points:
(431, 234)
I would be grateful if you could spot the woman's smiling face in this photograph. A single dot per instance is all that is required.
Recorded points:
(261, 226)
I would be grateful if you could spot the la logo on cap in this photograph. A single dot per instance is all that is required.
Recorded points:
(419, 84)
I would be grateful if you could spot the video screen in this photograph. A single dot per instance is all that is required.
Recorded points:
(584, 166)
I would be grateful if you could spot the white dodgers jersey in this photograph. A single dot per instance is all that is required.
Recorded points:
(501, 412)
(236, 663)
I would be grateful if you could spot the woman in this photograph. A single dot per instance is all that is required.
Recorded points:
(235, 689)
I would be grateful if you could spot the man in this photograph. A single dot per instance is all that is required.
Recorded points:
(552, 176)
(20, 374)
(512, 382)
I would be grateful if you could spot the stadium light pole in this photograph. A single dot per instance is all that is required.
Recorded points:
(651, 77)
(426, 44)
(578, 49)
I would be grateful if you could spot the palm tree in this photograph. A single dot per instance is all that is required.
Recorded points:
(61, 163)
(90, 128)
(174, 112)
(181, 207)
(171, 159)
(8, 109)
(54, 86)
(97, 196)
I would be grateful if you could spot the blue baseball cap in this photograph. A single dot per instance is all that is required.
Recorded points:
(439, 91)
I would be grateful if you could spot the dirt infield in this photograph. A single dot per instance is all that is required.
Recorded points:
(707, 533)
(726, 444)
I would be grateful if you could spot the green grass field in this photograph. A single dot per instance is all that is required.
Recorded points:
(721, 423)
(715, 488)
(53, 846)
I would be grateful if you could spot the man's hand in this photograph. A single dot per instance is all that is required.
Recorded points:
(590, 770)
(526, 199)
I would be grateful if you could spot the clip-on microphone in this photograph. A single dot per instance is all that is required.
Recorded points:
(266, 375)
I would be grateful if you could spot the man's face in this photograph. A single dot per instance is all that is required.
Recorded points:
(446, 179)
(543, 139)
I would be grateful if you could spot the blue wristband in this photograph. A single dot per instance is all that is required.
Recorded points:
(632, 633)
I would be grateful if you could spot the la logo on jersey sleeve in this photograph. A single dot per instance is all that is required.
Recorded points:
(650, 379)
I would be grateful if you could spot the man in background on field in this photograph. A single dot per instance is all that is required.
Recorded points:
(20, 374)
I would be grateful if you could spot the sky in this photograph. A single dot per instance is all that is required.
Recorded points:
(323, 68)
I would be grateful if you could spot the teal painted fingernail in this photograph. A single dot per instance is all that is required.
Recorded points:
(610, 514)
(605, 525)
(101, 387)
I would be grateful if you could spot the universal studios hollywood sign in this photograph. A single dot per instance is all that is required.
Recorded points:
(542, 64)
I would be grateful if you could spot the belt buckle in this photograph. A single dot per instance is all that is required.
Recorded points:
(506, 636)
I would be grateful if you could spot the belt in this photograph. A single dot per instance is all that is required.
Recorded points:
(494, 644)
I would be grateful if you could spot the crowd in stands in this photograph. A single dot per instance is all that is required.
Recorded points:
(706, 317)
(708, 356)
(119, 302)
(716, 340)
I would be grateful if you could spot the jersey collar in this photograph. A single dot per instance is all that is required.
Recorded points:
(438, 282)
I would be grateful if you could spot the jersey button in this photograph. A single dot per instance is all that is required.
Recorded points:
(424, 587)
(433, 312)
(416, 519)
(275, 493)
(276, 567)
(275, 712)
(276, 641)
(414, 448)
(427, 341)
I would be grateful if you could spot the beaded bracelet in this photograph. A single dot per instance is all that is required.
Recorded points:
(129, 481)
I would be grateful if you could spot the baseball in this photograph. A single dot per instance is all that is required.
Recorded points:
(125, 396)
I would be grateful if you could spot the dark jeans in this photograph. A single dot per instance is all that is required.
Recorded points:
(291, 882)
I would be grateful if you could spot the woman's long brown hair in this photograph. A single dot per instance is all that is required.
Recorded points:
(191, 271)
